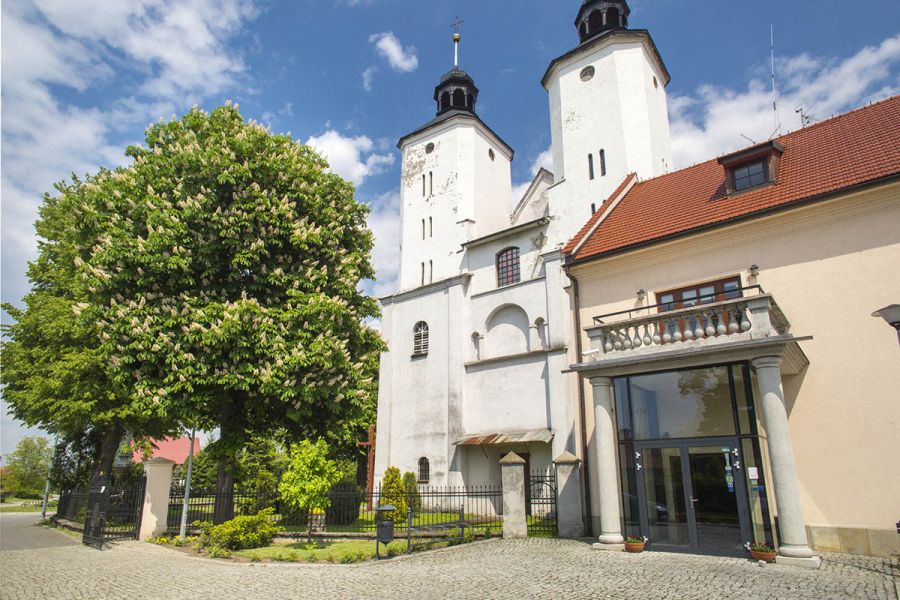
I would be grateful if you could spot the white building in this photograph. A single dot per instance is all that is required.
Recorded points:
(479, 332)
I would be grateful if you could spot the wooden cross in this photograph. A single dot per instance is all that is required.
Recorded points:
(370, 466)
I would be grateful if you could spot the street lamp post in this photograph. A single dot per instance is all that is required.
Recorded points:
(47, 483)
(891, 315)
(187, 488)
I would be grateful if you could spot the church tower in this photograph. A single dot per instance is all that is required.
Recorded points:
(608, 114)
(455, 182)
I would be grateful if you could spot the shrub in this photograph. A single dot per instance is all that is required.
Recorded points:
(393, 492)
(412, 491)
(244, 532)
(218, 552)
(346, 498)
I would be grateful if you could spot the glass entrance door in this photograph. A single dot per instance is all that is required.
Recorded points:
(693, 496)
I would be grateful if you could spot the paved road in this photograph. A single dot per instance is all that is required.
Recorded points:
(19, 531)
(521, 570)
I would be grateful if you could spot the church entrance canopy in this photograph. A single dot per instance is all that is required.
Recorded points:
(489, 439)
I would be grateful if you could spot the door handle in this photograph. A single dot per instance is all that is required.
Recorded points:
(693, 500)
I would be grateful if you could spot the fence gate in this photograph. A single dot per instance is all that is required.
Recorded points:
(541, 504)
(113, 513)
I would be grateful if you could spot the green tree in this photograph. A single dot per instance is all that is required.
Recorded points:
(56, 375)
(28, 466)
(309, 476)
(223, 270)
(393, 492)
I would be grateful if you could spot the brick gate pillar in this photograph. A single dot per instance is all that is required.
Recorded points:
(512, 467)
(156, 497)
(569, 519)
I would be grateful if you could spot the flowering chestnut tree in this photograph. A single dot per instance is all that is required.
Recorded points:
(222, 269)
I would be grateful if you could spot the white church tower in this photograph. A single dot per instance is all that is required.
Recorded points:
(608, 114)
(455, 183)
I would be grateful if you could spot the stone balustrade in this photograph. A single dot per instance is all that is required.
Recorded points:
(710, 323)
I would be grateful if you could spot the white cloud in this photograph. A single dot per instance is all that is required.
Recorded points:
(544, 160)
(350, 157)
(384, 221)
(367, 76)
(711, 121)
(171, 53)
(403, 60)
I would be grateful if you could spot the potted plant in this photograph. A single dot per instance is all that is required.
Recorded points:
(762, 551)
(635, 544)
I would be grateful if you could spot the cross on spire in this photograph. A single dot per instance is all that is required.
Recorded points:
(456, 38)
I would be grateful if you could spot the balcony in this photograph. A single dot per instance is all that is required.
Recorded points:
(653, 330)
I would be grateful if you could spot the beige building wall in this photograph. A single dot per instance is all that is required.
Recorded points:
(829, 265)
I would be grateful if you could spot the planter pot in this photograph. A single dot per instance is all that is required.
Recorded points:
(634, 547)
(764, 556)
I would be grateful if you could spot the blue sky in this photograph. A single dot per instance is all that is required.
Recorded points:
(82, 79)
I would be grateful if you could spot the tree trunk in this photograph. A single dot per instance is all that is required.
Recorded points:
(109, 447)
(224, 505)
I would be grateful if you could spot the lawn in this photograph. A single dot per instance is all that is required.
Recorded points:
(367, 522)
(30, 507)
(336, 552)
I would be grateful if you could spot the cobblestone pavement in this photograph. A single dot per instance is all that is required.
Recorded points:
(522, 569)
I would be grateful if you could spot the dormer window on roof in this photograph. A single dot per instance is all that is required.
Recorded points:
(752, 167)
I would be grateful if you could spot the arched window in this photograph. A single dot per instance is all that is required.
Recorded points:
(420, 339)
(459, 99)
(612, 17)
(590, 166)
(508, 267)
(595, 22)
(424, 470)
(445, 101)
(602, 163)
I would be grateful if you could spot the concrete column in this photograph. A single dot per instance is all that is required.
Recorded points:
(605, 436)
(156, 497)
(512, 467)
(570, 522)
(794, 548)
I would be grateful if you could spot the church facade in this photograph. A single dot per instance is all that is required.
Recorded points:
(479, 331)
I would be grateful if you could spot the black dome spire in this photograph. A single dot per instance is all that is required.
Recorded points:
(599, 15)
(457, 90)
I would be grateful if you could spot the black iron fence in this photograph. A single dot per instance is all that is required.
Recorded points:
(435, 510)
(120, 516)
(540, 505)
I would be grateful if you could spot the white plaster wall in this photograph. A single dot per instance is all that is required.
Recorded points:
(620, 111)
(481, 260)
(468, 195)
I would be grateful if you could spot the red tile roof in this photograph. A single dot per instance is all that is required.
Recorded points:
(174, 449)
(848, 150)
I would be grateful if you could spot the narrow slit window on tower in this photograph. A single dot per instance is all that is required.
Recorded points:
(423, 185)
(420, 339)
(602, 163)
(430, 183)
(423, 229)
(430, 271)
(593, 208)
(430, 227)
(590, 166)
(423, 273)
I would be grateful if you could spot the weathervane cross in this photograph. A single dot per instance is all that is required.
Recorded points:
(456, 38)
(455, 25)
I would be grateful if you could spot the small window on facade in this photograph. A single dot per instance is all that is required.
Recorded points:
(420, 339)
(587, 73)
(602, 163)
(490, 154)
(429, 148)
(423, 273)
(424, 470)
(704, 293)
(423, 229)
(593, 208)
(430, 183)
(430, 227)
(655, 83)
(590, 166)
(749, 175)
(508, 267)
(423, 185)
(430, 271)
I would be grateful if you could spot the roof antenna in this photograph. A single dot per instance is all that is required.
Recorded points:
(456, 38)
(752, 141)
(805, 117)
(774, 89)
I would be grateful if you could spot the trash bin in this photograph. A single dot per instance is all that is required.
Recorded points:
(384, 526)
